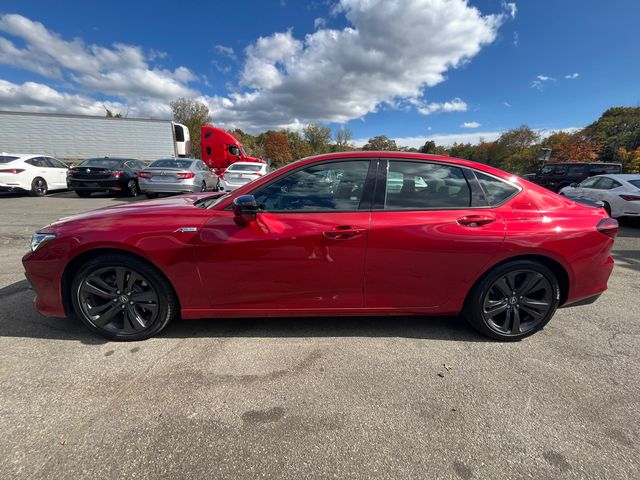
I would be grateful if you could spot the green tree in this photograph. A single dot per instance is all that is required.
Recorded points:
(428, 147)
(300, 148)
(194, 115)
(319, 138)
(617, 127)
(379, 143)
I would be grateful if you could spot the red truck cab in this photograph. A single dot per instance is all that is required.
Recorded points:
(220, 149)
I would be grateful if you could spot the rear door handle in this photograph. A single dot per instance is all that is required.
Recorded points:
(344, 232)
(476, 220)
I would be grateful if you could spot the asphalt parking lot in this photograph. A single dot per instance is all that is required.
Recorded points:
(315, 398)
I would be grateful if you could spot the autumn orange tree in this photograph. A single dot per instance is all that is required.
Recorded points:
(573, 147)
(277, 149)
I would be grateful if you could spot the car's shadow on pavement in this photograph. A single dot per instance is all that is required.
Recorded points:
(19, 319)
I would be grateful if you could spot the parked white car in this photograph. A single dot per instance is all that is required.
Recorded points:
(36, 174)
(620, 193)
(241, 173)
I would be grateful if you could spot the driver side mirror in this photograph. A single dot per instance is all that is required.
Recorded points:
(245, 209)
(233, 150)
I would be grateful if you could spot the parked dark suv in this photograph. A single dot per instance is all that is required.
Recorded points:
(106, 174)
(555, 176)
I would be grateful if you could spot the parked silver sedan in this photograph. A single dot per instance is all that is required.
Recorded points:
(176, 175)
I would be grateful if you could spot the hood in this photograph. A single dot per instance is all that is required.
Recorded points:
(172, 209)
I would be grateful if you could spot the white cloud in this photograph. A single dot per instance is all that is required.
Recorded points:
(338, 75)
(572, 76)
(121, 70)
(516, 39)
(388, 54)
(511, 8)
(319, 22)
(445, 139)
(540, 81)
(225, 51)
(470, 125)
(506, 104)
(455, 105)
(448, 139)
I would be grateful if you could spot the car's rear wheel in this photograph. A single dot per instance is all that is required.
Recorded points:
(39, 187)
(83, 193)
(132, 188)
(513, 301)
(152, 195)
(123, 298)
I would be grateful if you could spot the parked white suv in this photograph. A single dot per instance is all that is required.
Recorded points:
(36, 174)
(241, 173)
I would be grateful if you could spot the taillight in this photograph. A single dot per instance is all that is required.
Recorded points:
(12, 170)
(144, 174)
(185, 175)
(608, 226)
(116, 174)
(630, 198)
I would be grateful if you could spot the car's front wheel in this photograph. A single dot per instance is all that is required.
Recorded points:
(123, 298)
(513, 301)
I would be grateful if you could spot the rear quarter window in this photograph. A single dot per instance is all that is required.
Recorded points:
(496, 191)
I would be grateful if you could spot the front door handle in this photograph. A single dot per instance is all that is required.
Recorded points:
(476, 220)
(343, 232)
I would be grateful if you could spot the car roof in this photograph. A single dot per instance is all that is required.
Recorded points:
(625, 176)
(23, 156)
(425, 157)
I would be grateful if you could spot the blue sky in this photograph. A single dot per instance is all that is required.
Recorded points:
(411, 69)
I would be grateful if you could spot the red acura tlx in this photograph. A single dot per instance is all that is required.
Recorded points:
(357, 233)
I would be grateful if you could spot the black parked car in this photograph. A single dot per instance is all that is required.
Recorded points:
(555, 176)
(119, 175)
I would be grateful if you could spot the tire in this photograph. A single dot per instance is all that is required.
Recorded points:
(151, 195)
(39, 187)
(607, 208)
(131, 300)
(132, 189)
(83, 193)
(498, 313)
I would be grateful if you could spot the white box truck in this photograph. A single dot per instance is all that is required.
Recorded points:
(72, 138)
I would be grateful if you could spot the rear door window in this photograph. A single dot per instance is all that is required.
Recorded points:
(425, 186)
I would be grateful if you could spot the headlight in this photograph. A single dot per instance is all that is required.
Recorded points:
(39, 239)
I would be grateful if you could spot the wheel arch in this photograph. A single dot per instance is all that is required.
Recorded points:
(76, 263)
(556, 267)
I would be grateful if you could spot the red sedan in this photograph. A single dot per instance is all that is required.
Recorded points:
(359, 233)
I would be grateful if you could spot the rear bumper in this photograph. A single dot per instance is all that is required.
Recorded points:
(156, 187)
(229, 186)
(95, 185)
(4, 187)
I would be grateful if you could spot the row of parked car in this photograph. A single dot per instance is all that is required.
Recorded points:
(39, 174)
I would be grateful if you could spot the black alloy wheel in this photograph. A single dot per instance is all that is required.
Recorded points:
(132, 188)
(39, 187)
(122, 298)
(514, 301)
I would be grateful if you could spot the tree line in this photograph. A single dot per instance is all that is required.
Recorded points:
(614, 137)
